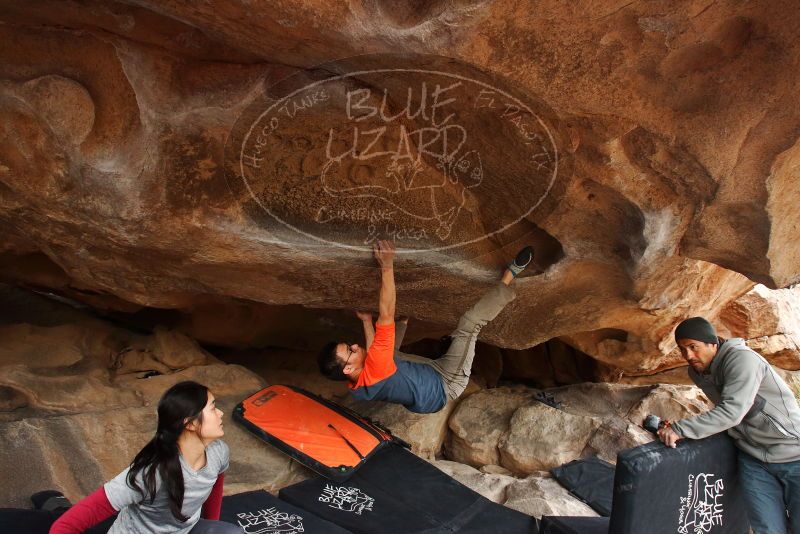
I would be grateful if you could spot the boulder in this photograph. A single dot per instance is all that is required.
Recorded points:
(670, 402)
(92, 366)
(613, 436)
(223, 380)
(536, 495)
(177, 351)
(540, 495)
(490, 485)
(70, 420)
(678, 376)
(763, 312)
(479, 422)
(781, 350)
(599, 399)
(507, 427)
(47, 370)
(622, 410)
(541, 438)
(288, 367)
(769, 320)
(424, 432)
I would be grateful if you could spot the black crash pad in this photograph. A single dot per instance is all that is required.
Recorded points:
(20, 521)
(691, 488)
(23, 521)
(591, 480)
(258, 512)
(659, 490)
(573, 525)
(398, 493)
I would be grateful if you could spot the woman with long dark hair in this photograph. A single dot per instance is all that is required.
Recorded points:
(175, 478)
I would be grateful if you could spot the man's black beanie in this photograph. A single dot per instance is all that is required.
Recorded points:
(696, 328)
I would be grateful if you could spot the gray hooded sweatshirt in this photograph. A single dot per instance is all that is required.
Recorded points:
(752, 403)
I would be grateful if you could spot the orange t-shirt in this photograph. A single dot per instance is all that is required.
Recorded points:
(379, 363)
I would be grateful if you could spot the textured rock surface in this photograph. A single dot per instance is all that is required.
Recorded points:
(59, 369)
(92, 366)
(541, 438)
(507, 427)
(478, 423)
(622, 409)
(75, 406)
(763, 312)
(424, 432)
(670, 402)
(769, 321)
(77, 452)
(490, 485)
(541, 495)
(117, 188)
(782, 350)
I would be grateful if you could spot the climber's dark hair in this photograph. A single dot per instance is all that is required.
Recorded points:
(329, 364)
(179, 406)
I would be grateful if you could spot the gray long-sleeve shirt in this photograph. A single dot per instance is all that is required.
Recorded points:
(752, 403)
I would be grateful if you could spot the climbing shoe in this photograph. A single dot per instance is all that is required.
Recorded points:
(523, 259)
(49, 500)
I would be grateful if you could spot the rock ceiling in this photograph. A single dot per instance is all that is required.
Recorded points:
(233, 154)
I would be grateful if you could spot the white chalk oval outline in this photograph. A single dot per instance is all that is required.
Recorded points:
(416, 71)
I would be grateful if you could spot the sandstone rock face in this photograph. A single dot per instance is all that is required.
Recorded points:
(229, 164)
(177, 351)
(424, 432)
(677, 376)
(478, 423)
(763, 312)
(540, 438)
(770, 322)
(60, 369)
(131, 177)
(507, 427)
(539, 496)
(77, 453)
(75, 406)
(782, 350)
(490, 485)
(91, 366)
(670, 402)
(555, 363)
